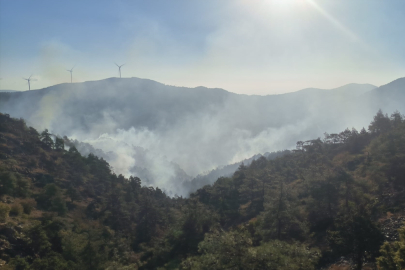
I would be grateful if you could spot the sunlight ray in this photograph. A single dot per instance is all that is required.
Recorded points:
(334, 21)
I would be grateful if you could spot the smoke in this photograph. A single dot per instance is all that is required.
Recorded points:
(170, 158)
(168, 135)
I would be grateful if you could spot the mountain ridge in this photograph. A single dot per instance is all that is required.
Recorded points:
(116, 79)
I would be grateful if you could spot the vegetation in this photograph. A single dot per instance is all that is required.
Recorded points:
(393, 254)
(306, 209)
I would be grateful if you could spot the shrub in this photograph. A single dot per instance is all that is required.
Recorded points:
(28, 205)
(22, 187)
(7, 183)
(18, 263)
(4, 211)
(59, 205)
(32, 163)
(16, 209)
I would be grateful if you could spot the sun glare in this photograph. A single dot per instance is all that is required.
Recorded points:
(285, 3)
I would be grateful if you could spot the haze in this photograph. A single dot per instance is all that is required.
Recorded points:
(250, 47)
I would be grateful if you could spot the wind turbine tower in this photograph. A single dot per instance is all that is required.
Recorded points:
(29, 82)
(71, 71)
(119, 68)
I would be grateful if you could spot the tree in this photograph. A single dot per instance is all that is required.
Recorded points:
(38, 240)
(59, 144)
(46, 138)
(221, 251)
(380, 124)
(197, 221)
(90, 258)
(233, 250)
(393, 254)
(51, 199)
(356, 236)
(7, 183)
(52, 261)
(149, 216)
(280, 216)
(18, 263)
(22, 187)
(396, 119)
(73, 193)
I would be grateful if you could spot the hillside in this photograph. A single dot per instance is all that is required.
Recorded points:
(227, 171)
(330, 203)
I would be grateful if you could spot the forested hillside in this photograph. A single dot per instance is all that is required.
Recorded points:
(332, 203)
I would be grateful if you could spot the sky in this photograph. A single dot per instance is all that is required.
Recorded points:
(244, 46)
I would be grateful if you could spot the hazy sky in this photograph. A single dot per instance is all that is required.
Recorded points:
(243, 46)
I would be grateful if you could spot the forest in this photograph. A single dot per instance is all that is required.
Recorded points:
(332, 203)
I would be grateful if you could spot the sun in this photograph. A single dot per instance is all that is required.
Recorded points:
(284, 4)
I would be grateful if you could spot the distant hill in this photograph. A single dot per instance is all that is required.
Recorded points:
(198, 129)
(352, 89)
(391, 95)
(5, 91)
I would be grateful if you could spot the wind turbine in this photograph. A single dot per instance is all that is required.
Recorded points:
(71, 71)
(119, 68)
(28, 80)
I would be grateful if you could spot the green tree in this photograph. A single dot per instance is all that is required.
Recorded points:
(22, 187)
(393, 254)
(52, 261)
(233, 250)
(90, 258)
(279, 218)
(150, 217)
(283, 256)
(356, 236)
(396, 119)
(59, 144)
(221, 251)
(59, 205)
(73, 193)
(46, 138)
(7, 183)
(38, 240)
(19, 263)
(51, 198)
(380, 124)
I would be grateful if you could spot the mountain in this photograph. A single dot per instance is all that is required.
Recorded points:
(167, 128)
(352, 89)
(389, 95)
